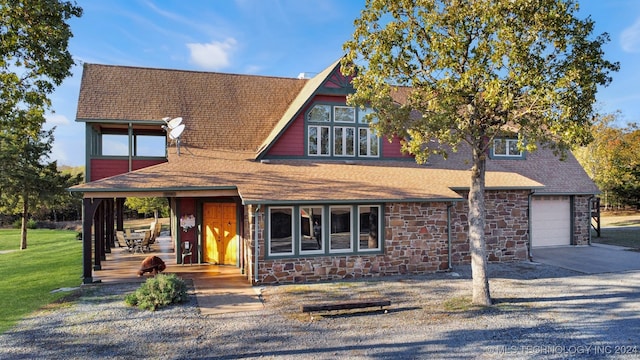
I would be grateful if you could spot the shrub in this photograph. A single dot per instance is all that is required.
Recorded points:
(158, 291)
(31, 224)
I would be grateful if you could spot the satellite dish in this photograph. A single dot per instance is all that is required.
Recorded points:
(177, 131)
(173, 123)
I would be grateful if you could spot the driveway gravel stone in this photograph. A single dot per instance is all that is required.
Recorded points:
(541, 311)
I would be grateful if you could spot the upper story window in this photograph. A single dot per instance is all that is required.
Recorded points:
(123, 143)
(506, 148)
(340, 131)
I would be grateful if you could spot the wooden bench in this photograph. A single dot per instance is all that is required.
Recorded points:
(344, 305)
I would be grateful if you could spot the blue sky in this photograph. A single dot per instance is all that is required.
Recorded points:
(273, 38)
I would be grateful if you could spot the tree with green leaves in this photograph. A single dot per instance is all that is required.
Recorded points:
(34, 38)
(467, 71)
(156, 206)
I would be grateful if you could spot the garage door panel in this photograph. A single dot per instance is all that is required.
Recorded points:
(550, 222)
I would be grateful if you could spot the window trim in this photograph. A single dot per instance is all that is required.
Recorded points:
(293, 229)
(354, 249)
(322, 249)
(319, 137)
(507, 140)
(357, 123)
(345, 141)
(351, 248)
(380, 226)
(344, 107)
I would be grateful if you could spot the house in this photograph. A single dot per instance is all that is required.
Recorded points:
(279, 177)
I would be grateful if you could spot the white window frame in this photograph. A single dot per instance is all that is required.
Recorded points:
(349, 109)
(322, 227)
(370, 138)
(345, 141)
(293, 237)
(327, 118)
(507, 143)
(319, 140)
(350, 248)
(379, 232)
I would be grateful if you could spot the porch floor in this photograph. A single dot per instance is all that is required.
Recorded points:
(218, 289)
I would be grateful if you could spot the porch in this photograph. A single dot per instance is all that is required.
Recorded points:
(218, 289)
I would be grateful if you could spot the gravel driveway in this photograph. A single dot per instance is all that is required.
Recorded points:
(541, 311)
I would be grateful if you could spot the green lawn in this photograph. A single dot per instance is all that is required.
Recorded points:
(52, 260)
(628, 237)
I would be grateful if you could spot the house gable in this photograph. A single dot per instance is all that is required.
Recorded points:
(294, 136)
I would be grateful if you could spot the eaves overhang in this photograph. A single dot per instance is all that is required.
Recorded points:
(349, 202)
(122, 121)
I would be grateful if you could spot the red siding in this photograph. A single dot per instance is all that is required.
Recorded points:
(102, 168)
(392, 150)
(187, 206)
(291, 143)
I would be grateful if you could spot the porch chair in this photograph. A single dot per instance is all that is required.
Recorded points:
(122, 242)
(152, 228)
(144, 244)
(187, 252)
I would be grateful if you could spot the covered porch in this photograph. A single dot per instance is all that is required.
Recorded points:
(218, 288)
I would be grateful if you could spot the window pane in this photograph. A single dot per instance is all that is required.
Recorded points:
(499, 147)
(149, 145)
(280, 231)
(320, 113)
(513, 147)
(324, 140)
(344, 114)
(373, 144)
(115, 145)
(350, 141)
(363, 141)
(313, 140)
(362, 113)
(311, 229)
(369, 228)
(337, 138)
(343, 141)
(340, 238)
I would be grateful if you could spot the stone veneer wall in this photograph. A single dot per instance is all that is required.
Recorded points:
(506, 227)
(415, 243)
(582, 220)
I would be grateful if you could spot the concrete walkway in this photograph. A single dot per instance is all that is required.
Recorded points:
(218, 289)
(595, 259)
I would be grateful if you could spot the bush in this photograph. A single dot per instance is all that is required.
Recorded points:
(158, 291)
(31, 224)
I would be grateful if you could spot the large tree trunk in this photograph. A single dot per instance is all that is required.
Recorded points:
(481, 295)
(23, 230)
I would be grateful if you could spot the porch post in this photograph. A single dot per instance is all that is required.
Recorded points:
(89, 208)
(109, 220)
(120, 214)
(99, 234)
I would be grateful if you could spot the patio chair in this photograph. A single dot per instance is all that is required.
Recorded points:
(144, 243)
(187, 252)
(152, 229)
(122, 242)
(156, 230)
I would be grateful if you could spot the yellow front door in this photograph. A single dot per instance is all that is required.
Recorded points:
(220, 236)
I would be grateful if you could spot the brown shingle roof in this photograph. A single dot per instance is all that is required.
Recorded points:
(301, 180)
(246, 107)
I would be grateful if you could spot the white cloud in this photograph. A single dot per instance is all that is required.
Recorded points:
(57, 119)
(630, 38)
(214, 55)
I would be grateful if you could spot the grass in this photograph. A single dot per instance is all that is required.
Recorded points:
(52, 260)
(621, 230)
(621, 237)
